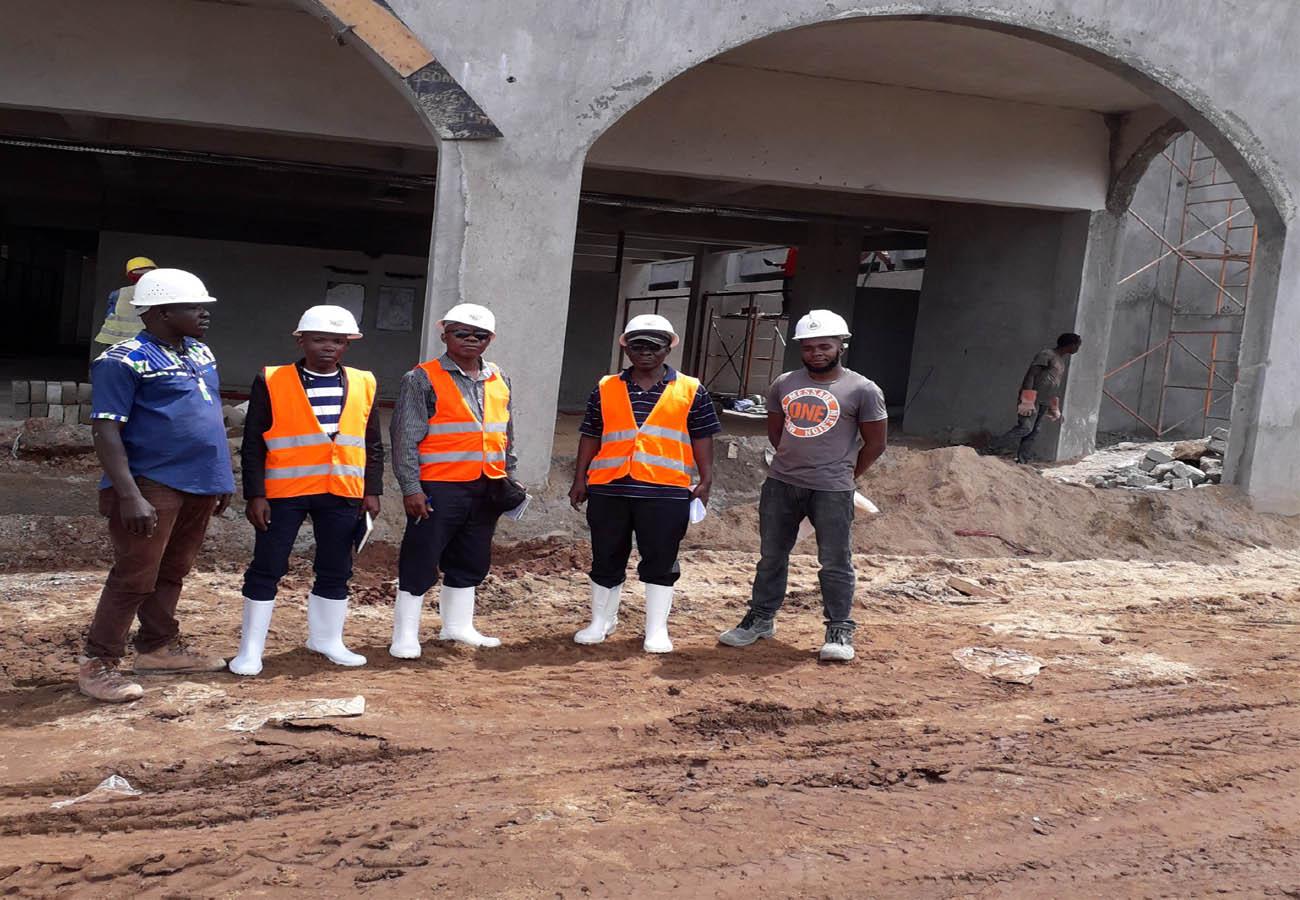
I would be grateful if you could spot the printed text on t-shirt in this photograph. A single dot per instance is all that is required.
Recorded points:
(810, 411)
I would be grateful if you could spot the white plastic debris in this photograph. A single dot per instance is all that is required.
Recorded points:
(1000, 663)
(698, 511)
(110, 788)
(293, 710)
(862, 504)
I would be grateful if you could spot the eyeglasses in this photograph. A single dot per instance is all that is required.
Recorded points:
(645, 346)
(476, 335)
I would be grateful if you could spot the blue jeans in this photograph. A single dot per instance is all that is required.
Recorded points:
(333, 521)
(781, 508)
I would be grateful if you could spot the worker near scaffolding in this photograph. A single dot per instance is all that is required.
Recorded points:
(1040, 397)
(643, 430)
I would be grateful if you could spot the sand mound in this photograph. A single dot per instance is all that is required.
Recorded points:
(925, 496)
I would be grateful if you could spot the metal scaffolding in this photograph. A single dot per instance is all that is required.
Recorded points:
(1212, 256)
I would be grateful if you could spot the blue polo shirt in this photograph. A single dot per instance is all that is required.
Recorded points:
(169, 401)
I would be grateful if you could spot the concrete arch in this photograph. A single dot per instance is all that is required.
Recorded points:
(1231, 139)
(444, 106)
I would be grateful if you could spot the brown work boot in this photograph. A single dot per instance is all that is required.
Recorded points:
(100, 679)
(174, 659)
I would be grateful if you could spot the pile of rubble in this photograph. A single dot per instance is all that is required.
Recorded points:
(1187, 464)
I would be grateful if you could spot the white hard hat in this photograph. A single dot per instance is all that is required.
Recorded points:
(329, 320)
(469, 314)
(648, 322)
(159, 287)
(821, 323)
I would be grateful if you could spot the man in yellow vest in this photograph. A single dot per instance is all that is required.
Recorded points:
(644, 430)
(312, 447)
(122, 322)
(453, 458)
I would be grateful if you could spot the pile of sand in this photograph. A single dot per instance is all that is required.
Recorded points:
(925, 496)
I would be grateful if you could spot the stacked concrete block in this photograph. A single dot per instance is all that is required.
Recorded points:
(65, 401)
(22, 395)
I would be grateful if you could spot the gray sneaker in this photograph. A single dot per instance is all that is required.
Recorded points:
(839, 644)
(751, 628)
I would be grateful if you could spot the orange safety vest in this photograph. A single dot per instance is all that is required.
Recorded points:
(301, 459)
(659, 452)
(458, 446)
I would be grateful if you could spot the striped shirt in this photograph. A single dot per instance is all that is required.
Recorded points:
(701, 422)
(326, 395)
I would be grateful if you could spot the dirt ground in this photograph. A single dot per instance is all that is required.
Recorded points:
(1155, 755)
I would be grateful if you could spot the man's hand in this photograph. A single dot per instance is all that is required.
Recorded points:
(1054, 409)
(223, 503)
(258, 511)
(1028, 403)
(370, 504)
(417, 506)
(578, 493)
(701, 492)
(138, 515)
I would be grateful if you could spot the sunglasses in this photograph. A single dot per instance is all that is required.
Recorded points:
(645, 346)
(463, 333)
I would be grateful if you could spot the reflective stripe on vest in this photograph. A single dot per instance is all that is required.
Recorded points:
(301, 459)
(659, 452)
(123, 323)
(457, 446)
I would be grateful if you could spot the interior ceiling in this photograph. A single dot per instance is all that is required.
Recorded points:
(940, 56)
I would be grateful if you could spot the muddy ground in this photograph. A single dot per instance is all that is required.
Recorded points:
(1155, 755)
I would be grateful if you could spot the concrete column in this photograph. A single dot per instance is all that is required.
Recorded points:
(503, 234)
(1265, 431)
(826, 277)
(1090, 252)
(708, 276)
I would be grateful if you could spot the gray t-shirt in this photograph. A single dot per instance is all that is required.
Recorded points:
(1048, 381)
(821, 441)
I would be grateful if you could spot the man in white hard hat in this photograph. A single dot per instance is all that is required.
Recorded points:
(453, 457)
(644, 430)
(161, 439)
(828, 425)
(312, 447)
(122, 320)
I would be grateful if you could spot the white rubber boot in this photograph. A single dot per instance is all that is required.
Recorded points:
(604, 614)
(406, 625)
(252, 639)
(456, 607)
(658, 603)
(325, 630)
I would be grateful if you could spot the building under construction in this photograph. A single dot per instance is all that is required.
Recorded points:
(401, 156)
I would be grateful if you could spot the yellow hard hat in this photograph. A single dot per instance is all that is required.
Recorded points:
(136, 263)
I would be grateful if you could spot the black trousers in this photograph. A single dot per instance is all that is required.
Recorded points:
(659, 526)
(456, 539)
(333, 521)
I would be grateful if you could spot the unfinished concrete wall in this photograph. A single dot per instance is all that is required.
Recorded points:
(1167, 388)
(593, 309)
(992, 298)
(262, 290)
(884, 329)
